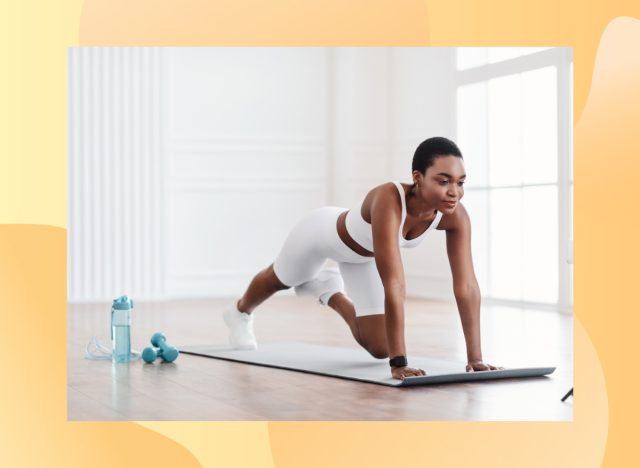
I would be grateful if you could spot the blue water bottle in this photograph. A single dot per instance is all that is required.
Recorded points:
(121, 329)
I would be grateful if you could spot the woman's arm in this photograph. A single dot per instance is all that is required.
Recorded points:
(465, 285)
(385, 223)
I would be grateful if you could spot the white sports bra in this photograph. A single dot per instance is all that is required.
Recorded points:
(362, 233)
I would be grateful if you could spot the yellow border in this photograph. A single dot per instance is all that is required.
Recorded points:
(34, 431)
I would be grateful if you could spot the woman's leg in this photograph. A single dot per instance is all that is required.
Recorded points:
(364, 310)
(262, 286)
(238, 316)
(369, 330)
(343, 305)
(373, 333)
(299, 260)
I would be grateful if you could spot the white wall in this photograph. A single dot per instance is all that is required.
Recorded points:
(116, 213)
(364, 121)
(424, 95)
(246, 152)
(240, 143)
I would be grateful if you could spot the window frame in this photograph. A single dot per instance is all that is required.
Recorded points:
(562, 59)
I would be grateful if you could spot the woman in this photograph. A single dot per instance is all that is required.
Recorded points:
(366, 241)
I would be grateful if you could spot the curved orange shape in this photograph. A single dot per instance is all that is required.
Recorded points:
(34, 430)
(253, 22)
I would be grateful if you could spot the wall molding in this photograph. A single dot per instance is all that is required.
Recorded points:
(187, 184)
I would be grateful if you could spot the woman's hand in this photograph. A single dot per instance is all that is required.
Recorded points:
(473, 366)
(401, 372)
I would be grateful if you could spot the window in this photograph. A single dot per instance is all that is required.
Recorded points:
(514, 128)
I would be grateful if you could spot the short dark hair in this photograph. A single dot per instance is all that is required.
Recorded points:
(430, 149)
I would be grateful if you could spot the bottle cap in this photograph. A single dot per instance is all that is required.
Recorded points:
(123, 303)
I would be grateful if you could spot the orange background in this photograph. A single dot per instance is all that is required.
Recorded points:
(36, 35)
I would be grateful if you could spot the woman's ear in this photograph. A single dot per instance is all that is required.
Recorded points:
(417, 177)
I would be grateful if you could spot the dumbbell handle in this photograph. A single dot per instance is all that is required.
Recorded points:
(159, 341)
(159, 353)
(169, 353)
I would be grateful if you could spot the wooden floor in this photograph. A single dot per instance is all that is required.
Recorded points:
(197, 388)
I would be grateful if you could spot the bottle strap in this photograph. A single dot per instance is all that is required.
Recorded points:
(100, 352)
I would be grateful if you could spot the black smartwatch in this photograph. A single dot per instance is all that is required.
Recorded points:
(398, 361)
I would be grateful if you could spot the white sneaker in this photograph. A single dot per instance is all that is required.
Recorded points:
(326, 284)
(240, 328)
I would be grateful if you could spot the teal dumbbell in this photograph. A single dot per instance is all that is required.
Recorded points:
(149, 355)
(165, 352)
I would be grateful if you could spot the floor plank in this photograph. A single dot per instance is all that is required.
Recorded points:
(197, 388)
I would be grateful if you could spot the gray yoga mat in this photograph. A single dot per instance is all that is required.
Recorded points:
(355, 364)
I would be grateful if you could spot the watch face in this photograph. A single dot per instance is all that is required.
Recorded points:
(398, 361)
